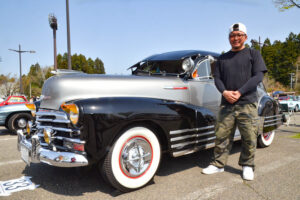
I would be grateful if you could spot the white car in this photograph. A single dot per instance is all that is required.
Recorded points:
(290, 102)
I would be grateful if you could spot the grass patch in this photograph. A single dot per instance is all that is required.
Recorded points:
(297, 136)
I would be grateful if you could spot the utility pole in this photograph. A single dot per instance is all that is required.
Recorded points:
(292, 74)
(68, 35)
(20, 60)
(296, 82)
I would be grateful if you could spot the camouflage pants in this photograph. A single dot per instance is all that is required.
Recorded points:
(231, 116)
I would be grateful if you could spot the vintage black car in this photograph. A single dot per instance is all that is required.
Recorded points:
(125, 123)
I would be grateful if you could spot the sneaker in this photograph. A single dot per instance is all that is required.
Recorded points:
(211, 169)
(248, 173)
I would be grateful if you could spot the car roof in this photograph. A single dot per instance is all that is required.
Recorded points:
(179, 55)
(176, 55)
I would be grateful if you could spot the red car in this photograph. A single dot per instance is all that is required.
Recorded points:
(14, 100)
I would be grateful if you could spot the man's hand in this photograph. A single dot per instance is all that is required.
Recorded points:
(237, 95)
(231, 96)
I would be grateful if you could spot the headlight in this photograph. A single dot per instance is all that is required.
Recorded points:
(32, 108)
(72, 110)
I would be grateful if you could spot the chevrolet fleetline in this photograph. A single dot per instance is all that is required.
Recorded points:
(124, 123)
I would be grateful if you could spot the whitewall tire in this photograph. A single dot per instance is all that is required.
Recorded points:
(266, 139)
(133, 159)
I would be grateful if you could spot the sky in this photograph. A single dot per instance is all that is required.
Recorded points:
(123, 32)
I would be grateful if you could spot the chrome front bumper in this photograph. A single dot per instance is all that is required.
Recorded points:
(32, 152)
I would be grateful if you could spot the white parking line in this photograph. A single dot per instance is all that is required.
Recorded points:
(5, 139)
(211, 191)
(11, 162)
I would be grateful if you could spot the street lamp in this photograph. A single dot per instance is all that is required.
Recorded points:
(20, 60)
(53, 24)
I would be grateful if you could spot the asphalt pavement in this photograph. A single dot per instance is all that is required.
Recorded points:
(277, 175)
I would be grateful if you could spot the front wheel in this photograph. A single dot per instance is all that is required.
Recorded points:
(266, 139)
(133, 159)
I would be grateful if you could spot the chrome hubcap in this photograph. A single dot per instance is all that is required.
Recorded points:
(136, 157)
(22, 123)
(267, 135)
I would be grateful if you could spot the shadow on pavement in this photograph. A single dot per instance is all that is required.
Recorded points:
(6, 132)
(67, 181)
(77, 181)
(201, 159)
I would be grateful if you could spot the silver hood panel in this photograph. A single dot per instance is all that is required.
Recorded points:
(64, 88)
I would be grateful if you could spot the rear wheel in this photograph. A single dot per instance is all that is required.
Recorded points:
(266, 139)
(133, 159)
(18, 121)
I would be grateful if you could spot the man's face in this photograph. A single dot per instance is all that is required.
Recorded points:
(237, 40)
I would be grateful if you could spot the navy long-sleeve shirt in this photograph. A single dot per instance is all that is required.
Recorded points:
(240, 71)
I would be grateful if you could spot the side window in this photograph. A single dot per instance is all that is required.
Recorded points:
(16, 99)
(203, 70)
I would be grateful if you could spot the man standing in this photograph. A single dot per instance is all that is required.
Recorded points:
(237, 75)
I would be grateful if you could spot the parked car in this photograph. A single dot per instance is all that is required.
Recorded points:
(289, 102)
(14, 100)
(14, 116)
(124, 123)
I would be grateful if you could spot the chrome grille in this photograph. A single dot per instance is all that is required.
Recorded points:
(61, 127)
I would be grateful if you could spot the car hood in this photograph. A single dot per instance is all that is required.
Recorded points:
(64, 88)
(13, 107)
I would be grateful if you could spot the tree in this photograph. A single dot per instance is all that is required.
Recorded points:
(281, 57)
(80, 63)
(99, 66)
(8, 85)
(34, 81)
(286, 4)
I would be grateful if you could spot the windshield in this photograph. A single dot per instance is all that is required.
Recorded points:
(159, 68)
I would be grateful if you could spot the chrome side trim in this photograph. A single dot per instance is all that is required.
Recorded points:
(205, 146)
(272, 116)
(272, 120)
(188, 130)
(272, 124)
(190, 136)
(192, 142)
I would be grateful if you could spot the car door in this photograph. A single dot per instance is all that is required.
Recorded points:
(203, 91)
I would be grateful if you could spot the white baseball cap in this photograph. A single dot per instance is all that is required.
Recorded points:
(238, 27)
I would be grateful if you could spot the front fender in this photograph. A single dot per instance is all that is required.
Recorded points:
(103, 119)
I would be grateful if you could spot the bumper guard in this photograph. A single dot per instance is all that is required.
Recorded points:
(32, 152)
